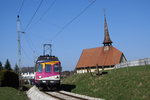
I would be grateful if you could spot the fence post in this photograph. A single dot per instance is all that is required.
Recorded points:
(97, 68)
(127, 67)
(102, 68)
(110, 68)
(145, 64)
(90, 71)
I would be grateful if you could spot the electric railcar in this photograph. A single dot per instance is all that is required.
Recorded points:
(47, 72)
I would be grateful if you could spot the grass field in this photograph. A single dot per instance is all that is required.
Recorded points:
(9, 93)
(120, 84)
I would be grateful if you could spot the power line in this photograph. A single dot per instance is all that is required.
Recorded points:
(27, 57)
(27, 40)
(34, 15)
(45, 12)
(21, 7)
(52, 4)
(26, 54)
(66, 25)
(30, 44)
(28, 24)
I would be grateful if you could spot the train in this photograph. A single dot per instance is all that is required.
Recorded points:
(47, 72)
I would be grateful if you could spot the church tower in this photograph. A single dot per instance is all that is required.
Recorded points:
(107, 41)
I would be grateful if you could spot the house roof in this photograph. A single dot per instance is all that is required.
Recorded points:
(27, 69)
(92, 57)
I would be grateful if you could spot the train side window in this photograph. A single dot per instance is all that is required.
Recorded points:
(56, 68)
(48, 68)
(39, 68)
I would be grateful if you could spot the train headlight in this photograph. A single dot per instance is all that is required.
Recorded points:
(40, 76)
(56, 76)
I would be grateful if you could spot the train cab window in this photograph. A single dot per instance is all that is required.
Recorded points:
(39, 68)
(47, 68)
(56, 68)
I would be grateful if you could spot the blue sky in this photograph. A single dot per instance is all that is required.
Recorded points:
(128, 24)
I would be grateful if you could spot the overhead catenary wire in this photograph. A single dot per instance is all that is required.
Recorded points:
(30, 44)
(46, 11)
(44, 14)
(20, 7)
(19, 10)
(24, 52)
(78, 15)
(33, 15)
(27, 40)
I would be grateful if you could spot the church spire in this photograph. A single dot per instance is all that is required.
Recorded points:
(107, 41)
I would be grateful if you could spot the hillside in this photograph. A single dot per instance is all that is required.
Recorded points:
(119, 84)
(9, 93)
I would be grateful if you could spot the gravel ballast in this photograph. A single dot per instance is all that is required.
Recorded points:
(34, 94)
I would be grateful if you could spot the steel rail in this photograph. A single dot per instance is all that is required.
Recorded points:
(54, 96)
(73, 96)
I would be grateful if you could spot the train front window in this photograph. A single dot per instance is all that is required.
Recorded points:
(39, 68)
(56, 68)
(48, 68)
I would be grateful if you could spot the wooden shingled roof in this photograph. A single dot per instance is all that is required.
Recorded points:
(107, 39)
(92, 57)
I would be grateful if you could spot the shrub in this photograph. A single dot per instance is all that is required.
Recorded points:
(9, 78)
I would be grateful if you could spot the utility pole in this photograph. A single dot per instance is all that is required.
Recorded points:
(19, 51)
(50, 47)
(19, 47)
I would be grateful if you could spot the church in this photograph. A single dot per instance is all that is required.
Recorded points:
(105, 57)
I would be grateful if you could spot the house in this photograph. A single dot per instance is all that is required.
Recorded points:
(28, 75)
(106, 57)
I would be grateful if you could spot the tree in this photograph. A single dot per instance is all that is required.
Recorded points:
(16, 69)
(1, 66)
(7, 65)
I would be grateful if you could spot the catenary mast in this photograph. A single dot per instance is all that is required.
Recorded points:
(19, 51)
(19, 47)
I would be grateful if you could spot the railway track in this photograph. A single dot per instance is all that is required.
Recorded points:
(35, 94)
(63, 95)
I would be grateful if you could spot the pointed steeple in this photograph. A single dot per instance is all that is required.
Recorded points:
(107, 41)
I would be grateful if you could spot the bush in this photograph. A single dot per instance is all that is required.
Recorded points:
(9, 78)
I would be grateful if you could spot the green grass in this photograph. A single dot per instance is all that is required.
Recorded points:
(9, 93)
(26, 87)
(121, 84)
